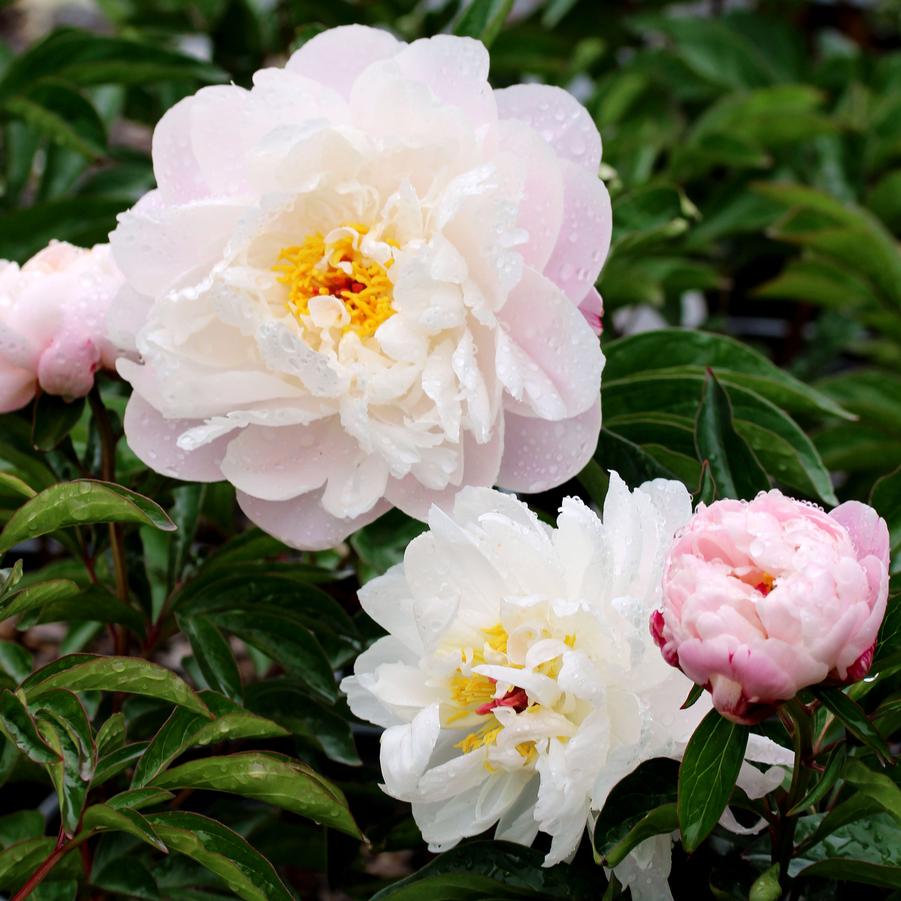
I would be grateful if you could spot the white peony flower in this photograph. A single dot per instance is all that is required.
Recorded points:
(519, 682)
(359, 285)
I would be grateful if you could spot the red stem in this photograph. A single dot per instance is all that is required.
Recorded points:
(38, 876)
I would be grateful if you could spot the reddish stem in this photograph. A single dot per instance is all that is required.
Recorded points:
(38, 876)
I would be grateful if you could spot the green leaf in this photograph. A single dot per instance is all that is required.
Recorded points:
(116, 762)
(139, 798)
(825, 783)
(80, 220)
(63, 116)
(854, 719)
(15, 661)
(53, 419)
(19, 861)
(707, 776)
(37, 596)
(878, 786)
(21, 825)
(213, 654)
(18, 726)
(84, 58)
(492, 870)
(95, 604)
(732, 361)
(106, 817)
(733, 465)
(111, 735)
(79, 503)
(223, 852)
(185, 729)
(844, 870)
(70, 775)
(15, 485)
(64, 708)
(288, 703)
(661, 820)
(286, 641)
(127, 674)
(483, 19)
(269, 778)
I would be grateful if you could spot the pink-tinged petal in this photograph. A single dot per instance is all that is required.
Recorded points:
(592, 308)
(584, 237)
(161, 249)
(548, 359)
(66, 367)
(541, 207)
(153, 440)
(302, 522)
(539, 455)
(868, 530)
(558, 117)
(275, 464)
(175, 166)
(456, 71)
(17, 387)
(481, 463)
(336, 57)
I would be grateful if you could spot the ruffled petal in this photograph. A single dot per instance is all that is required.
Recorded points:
(153, 440)
(302, 522)
(539, 455)
(558, 117)
(584, 238)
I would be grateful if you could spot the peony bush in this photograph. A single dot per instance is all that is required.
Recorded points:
(322, 576)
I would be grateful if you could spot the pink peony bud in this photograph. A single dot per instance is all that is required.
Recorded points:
(53, 322)
(763, 598)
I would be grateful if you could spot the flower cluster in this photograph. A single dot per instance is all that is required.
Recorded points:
(53, 322)
(518, 682)
(366, 285)
(764, 598)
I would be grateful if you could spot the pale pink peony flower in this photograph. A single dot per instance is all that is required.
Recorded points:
(366, 282)
(763, 598)
(53, 322)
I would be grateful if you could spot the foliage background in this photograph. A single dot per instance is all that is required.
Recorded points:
(753, 154)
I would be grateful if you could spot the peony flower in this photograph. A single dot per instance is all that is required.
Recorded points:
(518, 682)
(365, 283)
(53, 322)
(764, 598)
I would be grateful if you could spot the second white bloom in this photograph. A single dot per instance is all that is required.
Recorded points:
(519, 682)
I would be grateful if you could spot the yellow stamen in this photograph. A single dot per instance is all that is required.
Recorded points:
(312, 269)
(487, 735)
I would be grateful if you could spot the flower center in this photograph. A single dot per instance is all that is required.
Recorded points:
(338, 269)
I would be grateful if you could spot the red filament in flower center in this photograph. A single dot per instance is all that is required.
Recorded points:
(515, 698)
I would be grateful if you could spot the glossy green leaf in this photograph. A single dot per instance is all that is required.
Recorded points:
(730, 359)
(270, 778)
(93, 603)
(878, 786)
(111, 735)
(854, 719)
(185, 729)
(825, 783)
(37, 596)
(21, 825)
(733, 465)
(766, 886)
(106, 817)
(483, 19)
(70, 774)
(78, 503)
(127, 674)
(115, 762)
(707, 775)
(14, 485)
(53, 419)
(140, 798)
(661, 820)
(17, 725)
(245, 871)
(15, 661)
(213, 654)
(845, 870)
(18, 861)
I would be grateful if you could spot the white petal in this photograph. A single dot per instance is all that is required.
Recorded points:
(406, 751)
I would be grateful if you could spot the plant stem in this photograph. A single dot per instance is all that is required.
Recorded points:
(802, 737)
(38, 876)
(108, 474)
